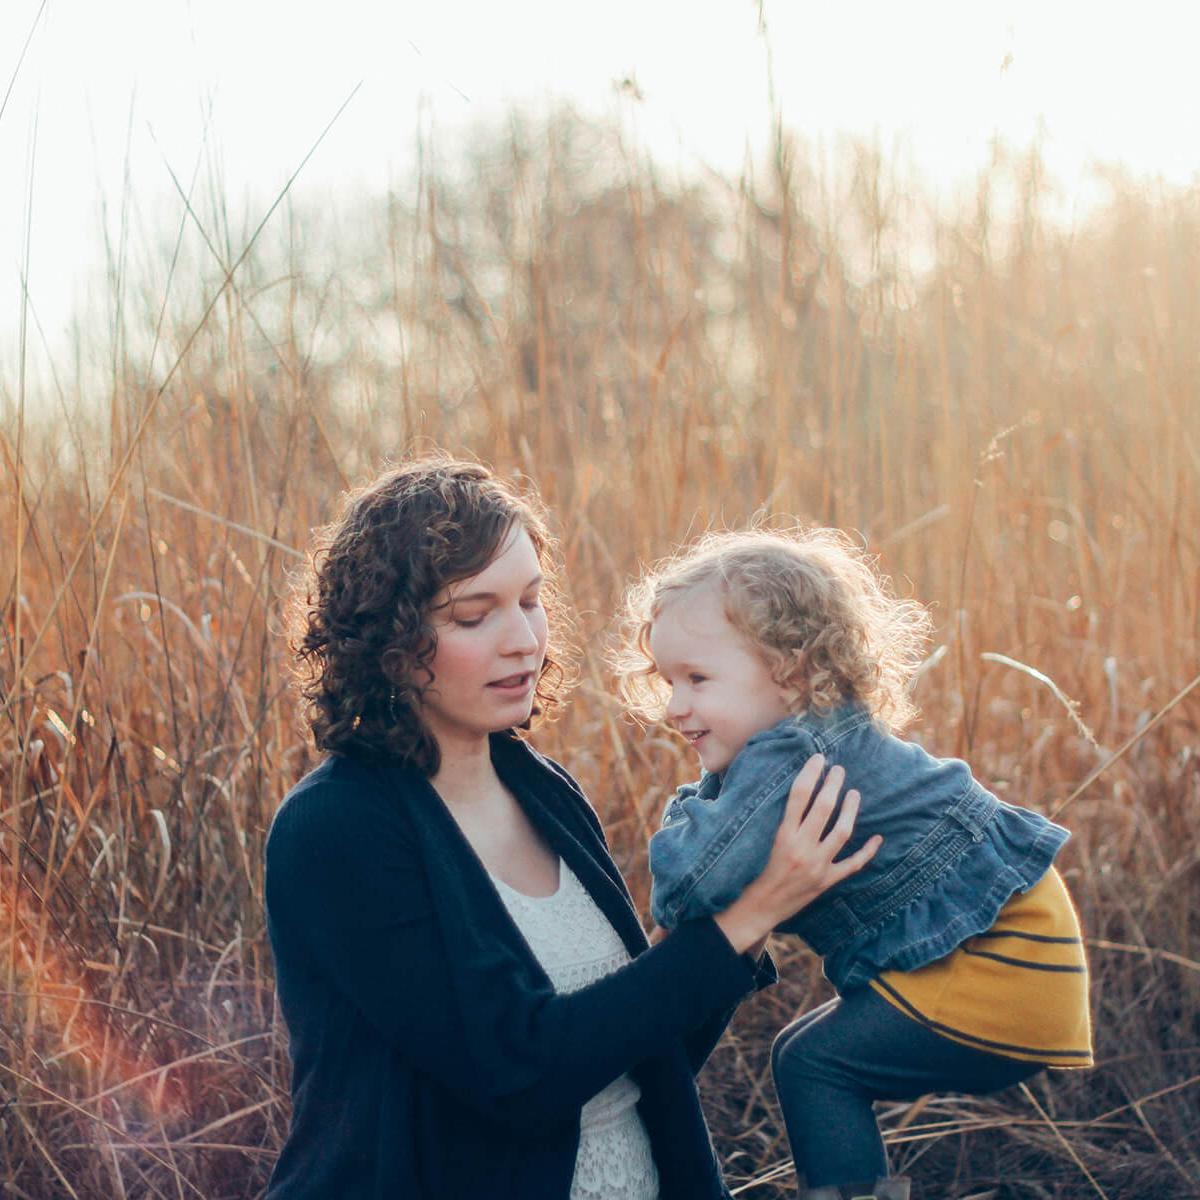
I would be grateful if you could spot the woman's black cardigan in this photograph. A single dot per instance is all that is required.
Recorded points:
(432, 1058)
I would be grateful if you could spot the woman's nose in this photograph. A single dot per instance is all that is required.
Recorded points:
(522, 633)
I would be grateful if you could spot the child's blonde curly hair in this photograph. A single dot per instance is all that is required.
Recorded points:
(826, 622)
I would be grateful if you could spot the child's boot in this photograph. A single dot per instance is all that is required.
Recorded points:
(895, 1188)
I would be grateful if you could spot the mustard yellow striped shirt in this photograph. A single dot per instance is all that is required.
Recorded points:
(1019, 990)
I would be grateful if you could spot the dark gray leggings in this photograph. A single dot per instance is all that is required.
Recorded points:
(832, 1064)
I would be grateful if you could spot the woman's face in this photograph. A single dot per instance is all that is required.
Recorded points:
(491, 643)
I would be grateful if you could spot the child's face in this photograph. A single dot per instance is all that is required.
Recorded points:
(721, 690)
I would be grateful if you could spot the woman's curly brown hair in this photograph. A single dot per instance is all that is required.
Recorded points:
(825, 621)
(360, 629)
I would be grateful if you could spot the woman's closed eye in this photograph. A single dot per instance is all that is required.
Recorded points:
(472, 621)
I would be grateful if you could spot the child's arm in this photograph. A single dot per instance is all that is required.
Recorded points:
(714, 842)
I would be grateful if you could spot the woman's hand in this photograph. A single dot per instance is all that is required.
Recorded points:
(801, 865)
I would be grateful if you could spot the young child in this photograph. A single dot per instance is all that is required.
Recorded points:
(956, 953)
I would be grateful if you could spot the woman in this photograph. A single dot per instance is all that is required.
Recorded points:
(472, 1005)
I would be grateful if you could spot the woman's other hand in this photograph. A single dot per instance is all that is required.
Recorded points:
(802, 864)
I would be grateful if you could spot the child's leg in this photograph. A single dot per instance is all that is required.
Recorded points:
(828, 1112)
(798, 1026)
(834, 1063)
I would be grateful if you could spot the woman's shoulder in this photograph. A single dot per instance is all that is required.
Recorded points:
(341, 801)
(342, 840)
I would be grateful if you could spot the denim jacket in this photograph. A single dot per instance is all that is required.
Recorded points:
(952, 853)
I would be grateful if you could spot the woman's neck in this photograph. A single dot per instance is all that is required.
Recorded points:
(466, 774)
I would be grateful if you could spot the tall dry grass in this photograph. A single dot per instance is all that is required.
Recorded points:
(1013, 428)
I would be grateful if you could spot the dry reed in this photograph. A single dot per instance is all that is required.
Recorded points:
(1014, 430)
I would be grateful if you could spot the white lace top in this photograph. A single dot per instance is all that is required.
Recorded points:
(576, 945)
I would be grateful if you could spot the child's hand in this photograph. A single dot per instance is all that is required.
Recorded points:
(657, 934)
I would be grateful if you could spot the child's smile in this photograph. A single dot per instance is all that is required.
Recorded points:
(722, 692)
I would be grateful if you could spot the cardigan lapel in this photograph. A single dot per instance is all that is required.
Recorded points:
(486, 956)
(555, 811)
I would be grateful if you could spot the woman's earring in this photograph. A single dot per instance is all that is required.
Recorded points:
(392, 705)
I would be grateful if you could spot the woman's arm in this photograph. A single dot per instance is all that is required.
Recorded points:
(350, 910)
(701, 1042)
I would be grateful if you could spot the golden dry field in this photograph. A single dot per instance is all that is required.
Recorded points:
(1004, 407)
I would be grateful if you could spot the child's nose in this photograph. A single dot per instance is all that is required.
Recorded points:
(677, 706)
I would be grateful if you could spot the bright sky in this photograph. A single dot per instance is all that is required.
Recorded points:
(124, 86)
